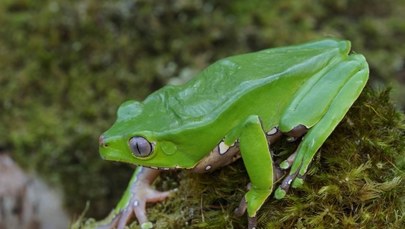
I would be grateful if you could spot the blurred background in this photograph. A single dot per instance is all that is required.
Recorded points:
(65, 67)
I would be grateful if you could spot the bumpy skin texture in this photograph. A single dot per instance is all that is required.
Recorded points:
(242, 101)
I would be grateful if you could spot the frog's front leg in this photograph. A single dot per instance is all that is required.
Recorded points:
(328, 103)
(133, 202)
(224, 154)
(259, 165)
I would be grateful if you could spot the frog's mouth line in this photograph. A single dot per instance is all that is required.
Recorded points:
(162, 168)
(111, 154)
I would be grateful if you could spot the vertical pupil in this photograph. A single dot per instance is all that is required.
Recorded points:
(137, 147)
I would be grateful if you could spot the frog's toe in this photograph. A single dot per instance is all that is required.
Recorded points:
(124, 218)
(298, 181)
(286, 164)
(112, 224)
(156, 196)
(138, 203)
(239, 211)
(284, 186)
(294, 180)
(252, 222)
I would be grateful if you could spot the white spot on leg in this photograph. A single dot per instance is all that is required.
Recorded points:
(223, 148)
(272, 131)
(291, 139)
(136, 203)
(208, 167)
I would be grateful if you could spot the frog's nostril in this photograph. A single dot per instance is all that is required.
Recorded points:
(101, 141)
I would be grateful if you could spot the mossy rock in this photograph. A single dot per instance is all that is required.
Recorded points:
(356, 181)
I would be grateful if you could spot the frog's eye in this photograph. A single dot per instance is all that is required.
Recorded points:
(140, 146)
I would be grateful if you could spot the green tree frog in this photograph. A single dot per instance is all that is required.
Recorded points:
(237, 107)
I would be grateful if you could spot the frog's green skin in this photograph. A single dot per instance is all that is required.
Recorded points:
(238, 102)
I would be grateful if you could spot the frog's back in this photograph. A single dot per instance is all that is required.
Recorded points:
(221, 84)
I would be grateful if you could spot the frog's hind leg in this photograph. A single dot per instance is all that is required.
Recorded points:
(320, 107)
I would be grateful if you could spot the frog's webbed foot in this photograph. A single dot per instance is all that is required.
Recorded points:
(136, 206)
(241, 209)
(133, 202)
